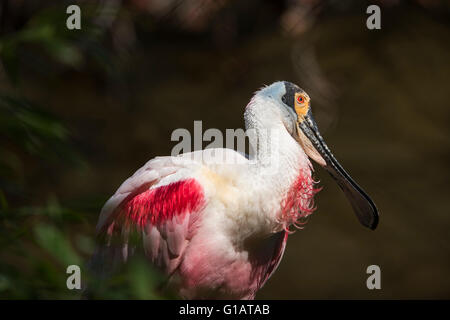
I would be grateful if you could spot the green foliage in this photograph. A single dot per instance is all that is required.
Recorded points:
(55, 243)
(135, 280)
(31, 128)
(40, 237)
(39, 241)
(45, 41)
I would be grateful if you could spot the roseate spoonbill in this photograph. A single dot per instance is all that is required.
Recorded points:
(219, 229)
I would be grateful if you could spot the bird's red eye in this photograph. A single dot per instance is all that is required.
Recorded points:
(300, 99)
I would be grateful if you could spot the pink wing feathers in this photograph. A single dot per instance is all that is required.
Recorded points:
(165, 215)
(164, 203)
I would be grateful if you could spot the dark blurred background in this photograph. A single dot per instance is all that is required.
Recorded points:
(81, 110)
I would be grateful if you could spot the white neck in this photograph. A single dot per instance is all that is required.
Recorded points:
(278, 159)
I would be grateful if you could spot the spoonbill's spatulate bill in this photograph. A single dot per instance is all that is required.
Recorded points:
(216, 228)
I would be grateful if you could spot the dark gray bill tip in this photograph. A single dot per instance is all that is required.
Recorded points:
(362, 204)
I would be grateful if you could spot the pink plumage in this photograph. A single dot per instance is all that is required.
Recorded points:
(169, 218)
(299, 201)
(157, 206)
(216, 222)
